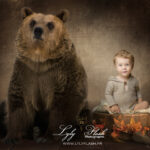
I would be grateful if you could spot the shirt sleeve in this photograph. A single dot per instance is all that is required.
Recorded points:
(138, 90)
(109, 93)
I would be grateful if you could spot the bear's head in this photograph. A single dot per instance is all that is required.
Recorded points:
(40, 37)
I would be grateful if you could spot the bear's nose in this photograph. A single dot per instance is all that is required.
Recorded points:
(38, 32)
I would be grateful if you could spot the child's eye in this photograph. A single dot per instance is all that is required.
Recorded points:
(120, 65)
(127, 64)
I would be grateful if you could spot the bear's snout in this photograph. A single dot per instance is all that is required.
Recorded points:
(38, 31)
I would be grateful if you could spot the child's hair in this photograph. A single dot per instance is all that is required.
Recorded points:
(124, 54)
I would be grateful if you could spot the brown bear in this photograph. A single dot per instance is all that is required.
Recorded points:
(48, 78)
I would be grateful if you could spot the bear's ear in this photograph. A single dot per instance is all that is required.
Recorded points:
(26, 11)
(63, 15)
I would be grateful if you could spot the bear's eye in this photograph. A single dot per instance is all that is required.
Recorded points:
(32, 23)
(50, 25)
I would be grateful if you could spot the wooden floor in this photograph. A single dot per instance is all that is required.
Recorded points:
(106, 144)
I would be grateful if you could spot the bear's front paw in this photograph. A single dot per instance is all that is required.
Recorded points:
(37, 136)
(41, 140)
(11, 141)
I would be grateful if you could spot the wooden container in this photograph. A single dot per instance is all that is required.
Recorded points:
(108, 119)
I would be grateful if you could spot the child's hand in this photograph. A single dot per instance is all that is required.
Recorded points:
(115, 108)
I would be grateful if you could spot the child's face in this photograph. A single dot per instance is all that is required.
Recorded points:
(123, 67)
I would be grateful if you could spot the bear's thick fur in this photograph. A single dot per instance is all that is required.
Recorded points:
(48, 78)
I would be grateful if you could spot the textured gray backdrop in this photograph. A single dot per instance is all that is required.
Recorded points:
(99, 28)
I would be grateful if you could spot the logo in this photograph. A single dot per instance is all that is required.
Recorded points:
(68, 132)
(66, 135)
(94, 132)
